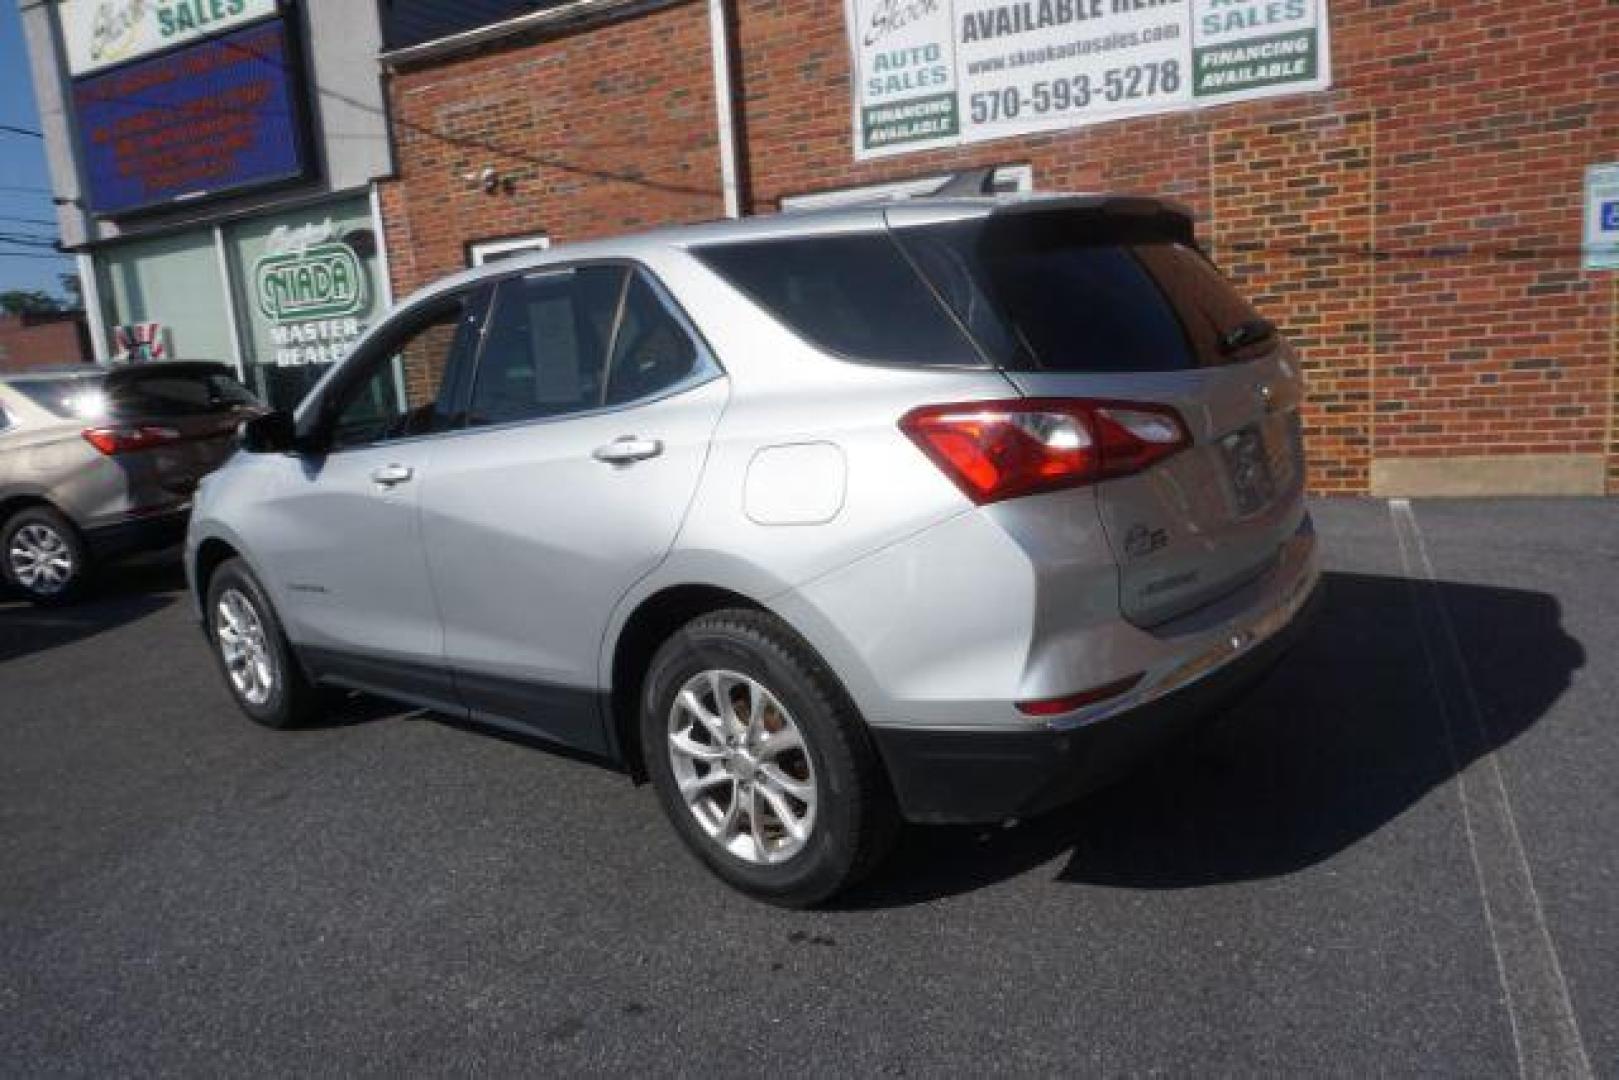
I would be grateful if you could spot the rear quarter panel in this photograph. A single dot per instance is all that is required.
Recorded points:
(787, 395)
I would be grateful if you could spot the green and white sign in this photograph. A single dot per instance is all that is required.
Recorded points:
(932, 73)
(101, 33)
(306, 284)
(316, 282)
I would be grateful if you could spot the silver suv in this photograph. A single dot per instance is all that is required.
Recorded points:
(943, 511)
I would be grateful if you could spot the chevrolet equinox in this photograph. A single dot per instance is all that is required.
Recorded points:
(945, 510)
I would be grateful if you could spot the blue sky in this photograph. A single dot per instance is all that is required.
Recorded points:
(22, 165)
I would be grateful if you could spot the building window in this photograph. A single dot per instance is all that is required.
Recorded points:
(487, 251)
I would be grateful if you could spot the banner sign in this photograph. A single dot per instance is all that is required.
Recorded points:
(932, 73)
(210, 118)
(1601, 247)
(101, 33)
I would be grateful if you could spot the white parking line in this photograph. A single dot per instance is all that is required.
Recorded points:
(1545, 1032)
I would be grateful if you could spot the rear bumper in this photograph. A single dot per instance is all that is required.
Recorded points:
(136, 534)
(987, 775)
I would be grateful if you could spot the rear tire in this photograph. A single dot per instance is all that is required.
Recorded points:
(261, 672)
(760, 761)
(43, 557)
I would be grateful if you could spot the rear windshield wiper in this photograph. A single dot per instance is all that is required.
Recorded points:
(1246, 333)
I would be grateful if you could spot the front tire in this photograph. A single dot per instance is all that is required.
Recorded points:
(254, 655)
(42, 556)
(760, 761)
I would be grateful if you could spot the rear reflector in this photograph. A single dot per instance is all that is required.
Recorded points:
(127, 438)
(1059, 705)
(996, 450)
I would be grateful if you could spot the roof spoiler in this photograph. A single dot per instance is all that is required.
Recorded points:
(1164, 216)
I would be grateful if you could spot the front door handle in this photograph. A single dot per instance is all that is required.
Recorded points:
(627, 450)
(388, 475)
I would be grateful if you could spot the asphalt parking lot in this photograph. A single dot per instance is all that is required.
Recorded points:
(1398, 856)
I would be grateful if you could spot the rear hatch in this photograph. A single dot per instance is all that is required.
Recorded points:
(1109, 299)
(197, 405)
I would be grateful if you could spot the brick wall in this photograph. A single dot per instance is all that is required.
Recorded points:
(604, 131)
(43, 340)
(1416, 229)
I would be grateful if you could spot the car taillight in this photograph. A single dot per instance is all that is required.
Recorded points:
(996, 450)
(126, 437)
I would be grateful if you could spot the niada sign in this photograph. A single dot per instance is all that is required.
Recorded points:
(299, 279)
(101, 33)
(931, 73)
(310, 287)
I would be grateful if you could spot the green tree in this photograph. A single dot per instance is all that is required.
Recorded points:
(28, 302)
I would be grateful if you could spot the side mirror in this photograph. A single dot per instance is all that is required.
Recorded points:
(271, 433)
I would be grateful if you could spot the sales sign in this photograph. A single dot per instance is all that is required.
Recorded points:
(932, 73)
(101, 33)
(1601, 247)
(206, 119)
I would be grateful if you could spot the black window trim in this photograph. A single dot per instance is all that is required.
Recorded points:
(706, 371)
(474, 299)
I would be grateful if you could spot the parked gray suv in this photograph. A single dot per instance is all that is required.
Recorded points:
(100, 462)
(944, 510)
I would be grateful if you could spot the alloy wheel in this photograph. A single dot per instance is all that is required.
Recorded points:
(742, 768)
(41, 559)
(244, 647)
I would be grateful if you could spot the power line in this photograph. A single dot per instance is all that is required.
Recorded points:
(462, 142)
(15, 130)
(27, 220)
(34, 255)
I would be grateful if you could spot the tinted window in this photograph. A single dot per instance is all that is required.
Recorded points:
(70, 396)
(156, 393)
(1059, 292)
(857, 296)
(545, 352)
(652, 350)
(397, 393)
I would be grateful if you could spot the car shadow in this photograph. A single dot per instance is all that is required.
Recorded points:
(1347, 733)
(119, 594)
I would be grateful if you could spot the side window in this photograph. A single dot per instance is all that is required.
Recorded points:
(652, 349)
(545, 352)
(855, 295)
(400, 392)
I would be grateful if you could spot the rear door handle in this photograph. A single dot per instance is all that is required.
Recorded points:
(389, 475)
(627, 450)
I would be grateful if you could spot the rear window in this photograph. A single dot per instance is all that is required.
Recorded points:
(1065, 292)
(857, 296)
(156, 393)
(69, 396)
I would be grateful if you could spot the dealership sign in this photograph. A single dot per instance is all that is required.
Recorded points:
(101, 33)
(213, 117)
(311, 287)
(932, 73)
(1602, 217)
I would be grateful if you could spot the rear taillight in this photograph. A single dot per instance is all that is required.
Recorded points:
(997, 450)
(126, 438)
